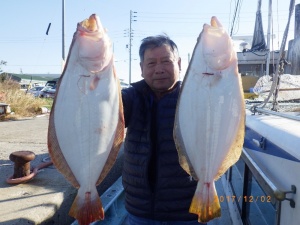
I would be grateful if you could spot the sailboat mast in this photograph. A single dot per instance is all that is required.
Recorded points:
(269, 37)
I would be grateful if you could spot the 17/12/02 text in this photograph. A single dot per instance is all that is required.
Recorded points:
(246, 198)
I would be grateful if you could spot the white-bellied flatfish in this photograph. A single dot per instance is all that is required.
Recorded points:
(209, 122)
(86, 126)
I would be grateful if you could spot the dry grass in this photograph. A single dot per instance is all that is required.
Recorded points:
(21, 104)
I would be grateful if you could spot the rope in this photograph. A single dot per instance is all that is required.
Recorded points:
(282, 62)
(237, 10)
(279, 66)
(35, 171)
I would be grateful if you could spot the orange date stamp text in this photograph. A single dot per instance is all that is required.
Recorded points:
(246, 198)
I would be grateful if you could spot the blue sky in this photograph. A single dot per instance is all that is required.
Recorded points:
(27, 49)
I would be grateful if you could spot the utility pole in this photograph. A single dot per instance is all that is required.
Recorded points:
(63, 34)
(130, 39)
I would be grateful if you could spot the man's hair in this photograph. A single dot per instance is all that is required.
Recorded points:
(157, 41)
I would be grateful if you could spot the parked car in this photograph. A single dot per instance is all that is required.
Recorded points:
(35, 91)
(52, 83)
(48, 92)
(24, 87)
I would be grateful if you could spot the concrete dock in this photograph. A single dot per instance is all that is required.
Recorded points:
(47, 198)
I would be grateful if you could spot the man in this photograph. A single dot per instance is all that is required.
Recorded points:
(157, 189)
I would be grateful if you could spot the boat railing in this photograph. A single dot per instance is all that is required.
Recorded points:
(274, 113)
(276, 194)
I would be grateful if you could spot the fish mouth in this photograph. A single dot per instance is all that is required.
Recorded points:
(214, 22)
(217, 46)
(92, 24)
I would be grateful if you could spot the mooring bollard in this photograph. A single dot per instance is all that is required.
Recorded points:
(22, 163)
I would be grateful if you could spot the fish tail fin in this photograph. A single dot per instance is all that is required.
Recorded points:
(87, 210)
(205, 202)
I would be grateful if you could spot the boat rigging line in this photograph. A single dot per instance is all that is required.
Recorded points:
(237, 10)
(279, 67)
(281, 62)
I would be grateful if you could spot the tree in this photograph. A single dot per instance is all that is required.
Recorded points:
(2, 63)
(2, 75)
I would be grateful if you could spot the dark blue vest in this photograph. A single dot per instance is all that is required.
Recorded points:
(156, 187)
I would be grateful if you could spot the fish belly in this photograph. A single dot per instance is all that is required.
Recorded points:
(86, 126)
(209, 128)
(86, 122)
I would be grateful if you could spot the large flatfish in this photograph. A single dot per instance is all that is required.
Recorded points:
(86, 126)
(209, 122)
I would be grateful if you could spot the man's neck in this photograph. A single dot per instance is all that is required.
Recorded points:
(159, 94)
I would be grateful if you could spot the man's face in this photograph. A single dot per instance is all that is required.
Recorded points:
(160, 68)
